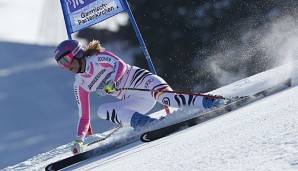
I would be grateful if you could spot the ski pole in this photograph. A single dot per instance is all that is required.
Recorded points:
(167, 91)
(104, 138)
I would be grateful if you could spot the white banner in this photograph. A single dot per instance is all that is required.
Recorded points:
(84, 13)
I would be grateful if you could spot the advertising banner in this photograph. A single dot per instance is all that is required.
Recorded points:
(80, 14)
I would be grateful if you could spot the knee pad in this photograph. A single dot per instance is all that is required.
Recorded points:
(102, 112)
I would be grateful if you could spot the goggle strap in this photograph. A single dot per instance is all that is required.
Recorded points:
(77, 49)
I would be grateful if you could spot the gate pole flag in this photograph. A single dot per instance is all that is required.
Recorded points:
(81, 14)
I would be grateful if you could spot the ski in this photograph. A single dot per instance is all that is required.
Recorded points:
(167, 130)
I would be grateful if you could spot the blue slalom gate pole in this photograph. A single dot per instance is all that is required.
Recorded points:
(66, 19)
(135, 27)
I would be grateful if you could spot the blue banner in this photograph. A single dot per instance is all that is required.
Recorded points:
(81, 14)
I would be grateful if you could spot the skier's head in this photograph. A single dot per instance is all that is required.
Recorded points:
(67, 50)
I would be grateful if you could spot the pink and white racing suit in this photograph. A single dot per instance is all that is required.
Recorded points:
(104, 66)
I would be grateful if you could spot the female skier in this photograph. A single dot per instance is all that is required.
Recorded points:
(100, 71)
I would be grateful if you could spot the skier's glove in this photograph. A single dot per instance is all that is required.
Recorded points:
(107, 88)
(77, 147)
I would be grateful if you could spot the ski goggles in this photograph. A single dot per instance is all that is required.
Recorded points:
(66, 59)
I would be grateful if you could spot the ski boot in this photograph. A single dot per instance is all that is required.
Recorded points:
(210, 102)
(138, 120)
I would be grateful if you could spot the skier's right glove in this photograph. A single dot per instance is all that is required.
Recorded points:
(77, 147)
(107, 88)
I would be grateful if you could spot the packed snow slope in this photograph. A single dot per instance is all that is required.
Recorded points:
(260, 136)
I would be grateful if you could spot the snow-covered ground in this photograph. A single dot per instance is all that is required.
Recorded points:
(260, 136)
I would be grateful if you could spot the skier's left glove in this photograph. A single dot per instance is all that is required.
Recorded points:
(77, 147)
(107, 88)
